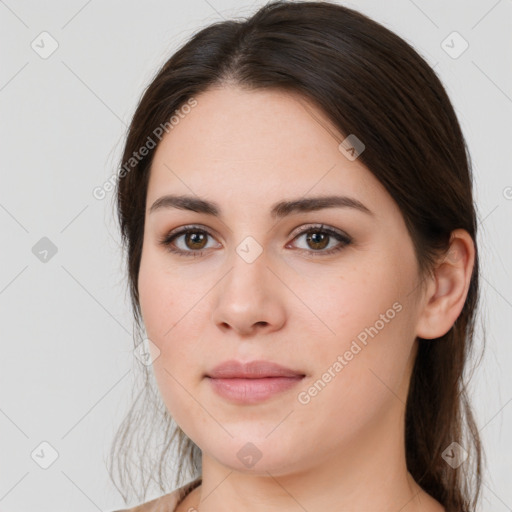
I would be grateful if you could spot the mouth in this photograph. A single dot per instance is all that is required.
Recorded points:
(252, 382)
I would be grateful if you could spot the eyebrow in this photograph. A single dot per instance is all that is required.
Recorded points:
(278, 210)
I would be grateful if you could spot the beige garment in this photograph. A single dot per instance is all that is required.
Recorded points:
(167, 502)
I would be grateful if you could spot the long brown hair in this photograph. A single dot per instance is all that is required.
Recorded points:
(370, 83)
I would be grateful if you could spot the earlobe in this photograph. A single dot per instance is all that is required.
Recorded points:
(448, 288)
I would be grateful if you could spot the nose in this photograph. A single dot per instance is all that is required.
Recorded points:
(250, 299)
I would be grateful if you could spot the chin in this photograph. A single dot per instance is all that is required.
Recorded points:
(257, 456)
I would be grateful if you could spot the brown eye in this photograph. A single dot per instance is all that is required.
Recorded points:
(190, 241)
(317, 240)
(195, 240)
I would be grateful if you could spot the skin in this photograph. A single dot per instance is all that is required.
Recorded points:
(344, 450)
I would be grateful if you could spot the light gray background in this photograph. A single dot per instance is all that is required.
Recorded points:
(66, 365)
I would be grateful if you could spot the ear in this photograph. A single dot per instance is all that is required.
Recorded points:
(447, 288)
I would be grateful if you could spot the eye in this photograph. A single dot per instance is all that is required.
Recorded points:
(318, 238)
(193, 240)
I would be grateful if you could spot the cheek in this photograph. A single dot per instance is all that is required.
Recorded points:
(158, 297)
(170, 319)
(368, 381)
(165, 322)
(154, 301)
(353, 306)
(371, 320)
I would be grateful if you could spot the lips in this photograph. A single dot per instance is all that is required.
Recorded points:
(251, 370)
(252, 382)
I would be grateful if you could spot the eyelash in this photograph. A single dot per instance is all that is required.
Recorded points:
(167, 240)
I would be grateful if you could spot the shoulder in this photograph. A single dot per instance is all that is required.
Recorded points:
(167, 502)
(161, 504)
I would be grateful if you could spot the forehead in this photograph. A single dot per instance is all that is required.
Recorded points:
(255, 144)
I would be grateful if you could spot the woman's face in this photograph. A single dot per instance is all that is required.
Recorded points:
(338, 306)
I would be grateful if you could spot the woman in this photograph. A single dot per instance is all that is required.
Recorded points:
(295, 197)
